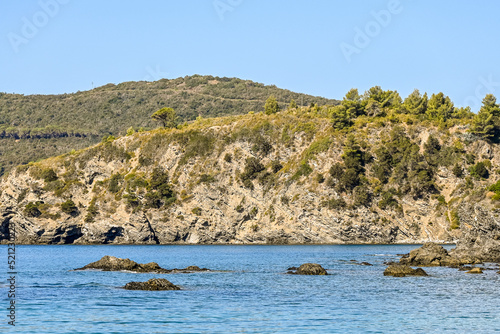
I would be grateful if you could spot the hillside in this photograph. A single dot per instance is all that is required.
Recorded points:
(39, 126)
(289, 177)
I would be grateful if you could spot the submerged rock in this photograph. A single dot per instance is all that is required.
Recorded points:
(309, 269)
(154, 284)
(401, 270)
(111, 263)
(475, 271)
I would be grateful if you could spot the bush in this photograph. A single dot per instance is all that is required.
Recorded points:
(285, 200)
(48, 175)
(457, 171)
(479, 170)
(334, 204)
(114, 183)
(336, 171)
(69, 207)
(252, 168)
(228, 157)
(205, 178)
(262, 145)
(197, 211)
(320, 178)
(91, 211)
(31, 209)
(159, 191)
(304, 170)
(362, 196)
(276, 166)
(455, 220)
(387, 201)
(349, 180)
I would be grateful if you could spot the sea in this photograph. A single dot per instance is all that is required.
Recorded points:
(248, 291)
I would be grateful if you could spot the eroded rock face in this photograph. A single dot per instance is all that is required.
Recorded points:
(310, 269)
(481, 242)
(154, 284)
(401, 270)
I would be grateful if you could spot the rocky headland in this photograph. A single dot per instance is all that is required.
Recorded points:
(285, 178)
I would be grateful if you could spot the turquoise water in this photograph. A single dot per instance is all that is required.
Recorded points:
(254, 297)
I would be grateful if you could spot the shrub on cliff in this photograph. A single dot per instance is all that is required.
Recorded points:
(69, 207)
(31, 209)
(159, 190)
(479, 170)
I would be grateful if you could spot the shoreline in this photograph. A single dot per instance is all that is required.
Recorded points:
(251, 244)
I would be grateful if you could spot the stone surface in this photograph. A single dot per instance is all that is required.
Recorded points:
(154, 284)
(429, 255)
(111, 263)
(302, 219)
(475, 271)
(227, 211)
(400, 270)
(310, 269)
(481, 241)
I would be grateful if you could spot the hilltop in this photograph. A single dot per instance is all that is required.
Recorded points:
(34, 127)
(302, 175)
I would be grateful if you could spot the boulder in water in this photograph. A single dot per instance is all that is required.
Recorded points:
(402, 270)
(310, 269)
(475, 271)
(154, 284)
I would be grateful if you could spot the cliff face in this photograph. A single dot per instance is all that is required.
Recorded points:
(283, 178)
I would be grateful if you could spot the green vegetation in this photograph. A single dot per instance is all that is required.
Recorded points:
(159, 192)
(69, 207)
(271, 106)
(373, 153)
(31, 209)
(35, 127)
(167, 117)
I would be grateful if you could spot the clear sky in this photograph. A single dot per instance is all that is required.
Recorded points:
(319, 47)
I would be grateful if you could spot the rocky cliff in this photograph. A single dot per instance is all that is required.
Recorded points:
(286, 178)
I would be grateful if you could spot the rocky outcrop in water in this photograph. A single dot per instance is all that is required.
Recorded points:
(475, 271)
(309, 269)
(400, 270)
(154, 284)
(111, 263)
(432, 255)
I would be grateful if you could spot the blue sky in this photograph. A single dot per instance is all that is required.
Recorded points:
(318, 47)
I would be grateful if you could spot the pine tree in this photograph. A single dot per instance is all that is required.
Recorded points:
(440, 107)
(271, 106)
(485, 122)
(415, 103)
(166, 116)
